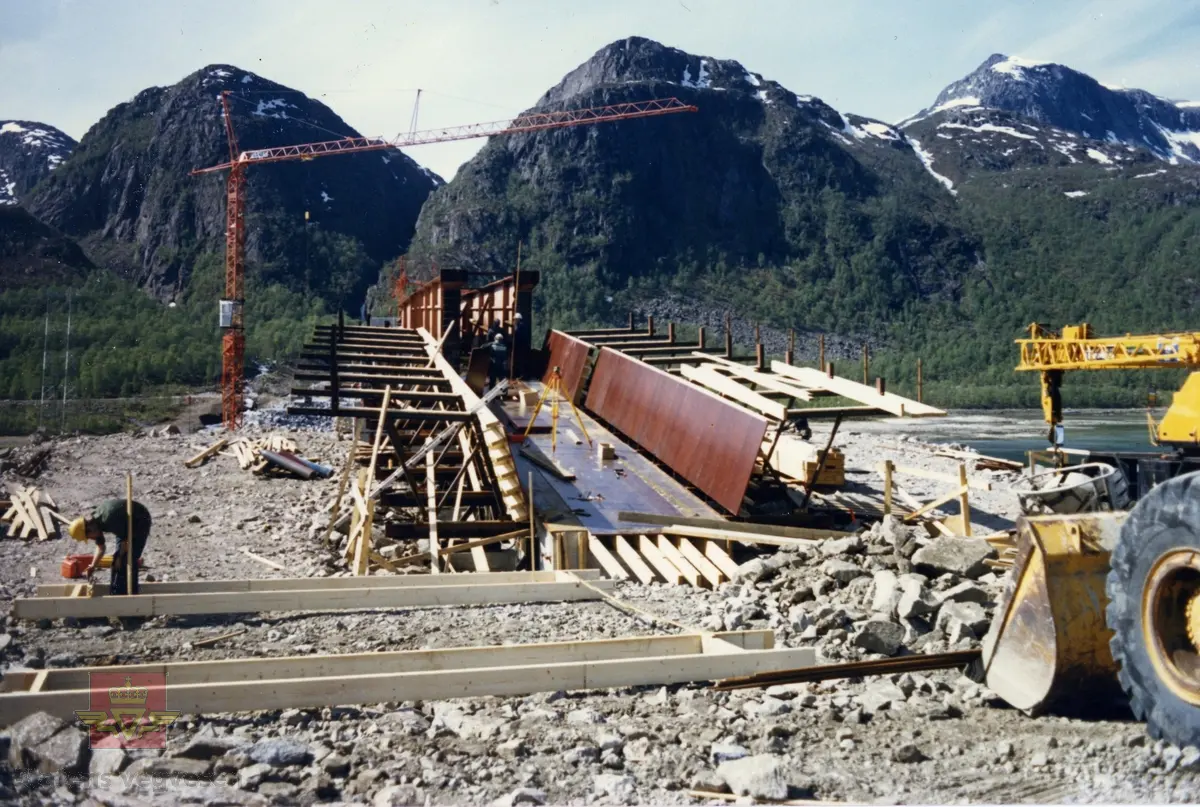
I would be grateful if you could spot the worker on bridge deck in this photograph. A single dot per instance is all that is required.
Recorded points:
(110, 516)
(498, 366)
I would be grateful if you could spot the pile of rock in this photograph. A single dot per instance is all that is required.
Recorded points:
(885, 591)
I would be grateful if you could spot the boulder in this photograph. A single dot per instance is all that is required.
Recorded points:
(107, 761)
(916, 603)
(401, 796)
(969, 614)
(48, 745)
(280, 751)
(758, 777)
(965, 591)
(886, 593)
(724, 752)
(959, 556)
(67, 751)
(251, 776)
(336, 765)
(880, 636)
(841, 570)
(210, 746)
(851, 545)
(522, 795)
(170, 768)
(908, 753)
(759, 569)
(27, 733)
(880, 697)
(619, 787)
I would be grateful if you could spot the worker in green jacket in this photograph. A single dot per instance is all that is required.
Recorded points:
(110, 517)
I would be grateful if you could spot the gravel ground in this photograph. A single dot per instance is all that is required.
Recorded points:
(920, 738)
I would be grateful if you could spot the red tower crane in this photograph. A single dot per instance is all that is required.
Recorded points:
(233, 345)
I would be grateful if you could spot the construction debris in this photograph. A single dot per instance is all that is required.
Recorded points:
(263, 456)
(32, 513)
(26, 461)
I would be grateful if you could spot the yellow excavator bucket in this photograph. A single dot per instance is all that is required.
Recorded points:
(1048, 644)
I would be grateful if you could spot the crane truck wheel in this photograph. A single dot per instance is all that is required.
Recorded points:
(1154, 610)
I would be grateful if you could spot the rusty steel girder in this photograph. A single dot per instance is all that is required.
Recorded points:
(570, 356)
(709, 442)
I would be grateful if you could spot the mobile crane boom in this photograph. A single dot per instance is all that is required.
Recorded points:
(1077, 348)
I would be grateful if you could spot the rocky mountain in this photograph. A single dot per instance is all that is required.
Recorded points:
(32, 253)
(761, 182)
(1014, 93)
(28, 153)
(322, 226)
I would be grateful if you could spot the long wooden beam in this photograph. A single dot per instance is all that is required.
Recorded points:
(377, 395)
(767, 381)
(673, 348)
(395, 380)
(896, 404)
(324, 583)
(315, 599)
(724, 385)
(469, 498)
(445, 674)
(435, 415)
(746, 537)
(414, 365)
(777, 530)
(844, 412)
(316, 681)
(412, 531)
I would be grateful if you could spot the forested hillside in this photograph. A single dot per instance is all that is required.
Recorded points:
(940, 238)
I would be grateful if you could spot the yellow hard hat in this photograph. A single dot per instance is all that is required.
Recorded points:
(77, 529)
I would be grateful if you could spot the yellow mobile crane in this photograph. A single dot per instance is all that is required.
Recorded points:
(1077, 348)
(1102, 602)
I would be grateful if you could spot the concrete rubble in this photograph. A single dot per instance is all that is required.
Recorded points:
(888, 591)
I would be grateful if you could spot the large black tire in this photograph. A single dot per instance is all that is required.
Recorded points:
(1165, 519)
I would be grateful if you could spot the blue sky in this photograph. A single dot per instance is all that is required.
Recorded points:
(66, 62)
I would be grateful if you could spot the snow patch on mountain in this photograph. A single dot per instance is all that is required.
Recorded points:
(1185, 145)
(267, 109)
(1015, 66)
(989, 127)
(927, 160)
(8, 189)
(702, 82)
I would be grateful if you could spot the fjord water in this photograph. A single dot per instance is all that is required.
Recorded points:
(1010, 433)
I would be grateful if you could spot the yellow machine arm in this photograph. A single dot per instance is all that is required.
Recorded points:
(1076, 348)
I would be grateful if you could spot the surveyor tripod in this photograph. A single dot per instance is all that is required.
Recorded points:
(555, 385)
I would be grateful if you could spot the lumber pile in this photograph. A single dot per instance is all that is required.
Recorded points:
(797, 460)
(32, 513)
(249, 452)
(274, 453)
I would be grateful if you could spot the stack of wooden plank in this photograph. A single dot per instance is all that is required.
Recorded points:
(248, 453)
(797, 460)
(30, 513)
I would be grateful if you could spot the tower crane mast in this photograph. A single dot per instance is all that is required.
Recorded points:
(233, 346)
